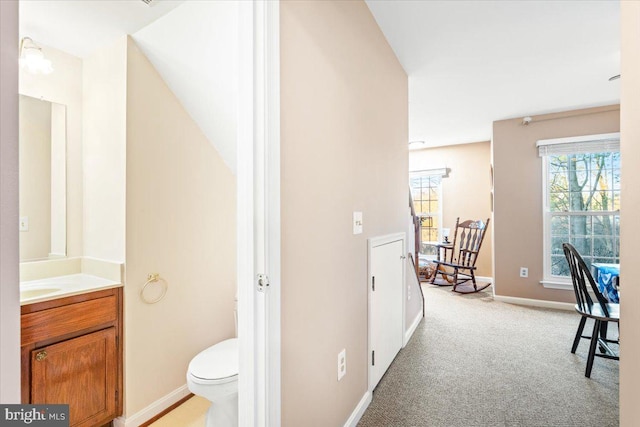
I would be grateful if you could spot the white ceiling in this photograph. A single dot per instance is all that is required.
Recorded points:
(469, 62)
(192, 44)
(195, 50)
(79, 27)
(474, 62)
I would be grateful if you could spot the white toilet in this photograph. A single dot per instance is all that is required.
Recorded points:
(213, 374)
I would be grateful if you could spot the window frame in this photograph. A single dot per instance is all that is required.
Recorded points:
(442, 173)
(549, 280)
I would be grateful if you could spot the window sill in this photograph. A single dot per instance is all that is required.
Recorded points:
(557, 284)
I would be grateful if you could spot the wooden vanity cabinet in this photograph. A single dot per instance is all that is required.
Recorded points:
(71, 353)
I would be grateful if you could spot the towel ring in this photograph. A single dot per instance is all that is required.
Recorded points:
(154, 278)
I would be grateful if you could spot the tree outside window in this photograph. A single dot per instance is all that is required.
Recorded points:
(583, 202)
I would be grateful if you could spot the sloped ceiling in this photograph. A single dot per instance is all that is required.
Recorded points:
(469, 62)
(192, 44)
(194, 48)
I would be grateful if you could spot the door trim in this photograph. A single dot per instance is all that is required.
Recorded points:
(258, 213)
(373, 242)
(273, 212)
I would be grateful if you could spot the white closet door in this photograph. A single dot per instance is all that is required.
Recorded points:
(386, 293)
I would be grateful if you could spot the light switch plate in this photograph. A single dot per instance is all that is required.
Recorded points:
(357, 223)
(24, 223)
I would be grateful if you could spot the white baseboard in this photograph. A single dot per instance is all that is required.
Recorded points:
(359, 410)
(485, 279)
(409, 332)
(536, 302)
(153, 409)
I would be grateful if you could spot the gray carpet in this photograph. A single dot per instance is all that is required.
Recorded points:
(474, 361)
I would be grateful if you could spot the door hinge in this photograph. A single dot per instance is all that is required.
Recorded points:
(263, 282)
(373, 283)
(117, 394)
(373, 358)
(117, 342)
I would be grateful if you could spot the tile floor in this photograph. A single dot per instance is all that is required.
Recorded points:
(190, 414)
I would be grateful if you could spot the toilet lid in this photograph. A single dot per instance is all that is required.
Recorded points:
(216, 364)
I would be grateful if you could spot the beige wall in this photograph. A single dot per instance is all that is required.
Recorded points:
(466, 191)
(629, 241)
(104, 152)
(180, 220)
(9, 290)
(344, 148)
(64, 86)
(518, 236)
(35, 177)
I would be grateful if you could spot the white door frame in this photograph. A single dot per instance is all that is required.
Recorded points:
(258, 189)
(372, 243)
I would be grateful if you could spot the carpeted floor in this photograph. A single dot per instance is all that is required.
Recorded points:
(474, 361)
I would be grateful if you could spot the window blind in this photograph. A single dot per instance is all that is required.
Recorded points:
(583, 144)
(430, 172)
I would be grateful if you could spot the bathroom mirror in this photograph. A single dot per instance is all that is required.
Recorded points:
(42, 195)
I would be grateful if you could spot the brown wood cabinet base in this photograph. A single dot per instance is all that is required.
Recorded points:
(71, 354)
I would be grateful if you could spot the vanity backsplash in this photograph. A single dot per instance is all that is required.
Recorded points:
(36, 270)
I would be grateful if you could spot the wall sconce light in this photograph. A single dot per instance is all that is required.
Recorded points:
(414, 145)
(32, 59)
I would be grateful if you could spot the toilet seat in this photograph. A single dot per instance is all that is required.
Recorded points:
(217, 364)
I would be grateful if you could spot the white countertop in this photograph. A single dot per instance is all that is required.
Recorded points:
(62, 286)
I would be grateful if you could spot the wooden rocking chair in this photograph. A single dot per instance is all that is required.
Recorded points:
(459, 261)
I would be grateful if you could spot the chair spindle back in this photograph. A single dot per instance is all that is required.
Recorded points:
(580, 274)
(470, 235)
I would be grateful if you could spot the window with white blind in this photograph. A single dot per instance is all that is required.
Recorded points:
(581, 178)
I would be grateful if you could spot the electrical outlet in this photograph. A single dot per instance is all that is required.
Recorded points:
(342, 364)
(524, 272)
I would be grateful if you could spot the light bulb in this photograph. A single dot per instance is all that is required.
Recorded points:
(33, 60)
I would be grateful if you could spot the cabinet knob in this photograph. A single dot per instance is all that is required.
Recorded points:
(41, 356)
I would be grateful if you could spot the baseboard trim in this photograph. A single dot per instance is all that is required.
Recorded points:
(166, 411)
(153, 410)
(358, 412)
(536, 302)
(409, 332)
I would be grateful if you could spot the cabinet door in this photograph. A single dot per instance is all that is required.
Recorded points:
(80, 372)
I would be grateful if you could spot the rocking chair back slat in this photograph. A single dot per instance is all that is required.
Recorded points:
(471, 237)
(463, 242)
